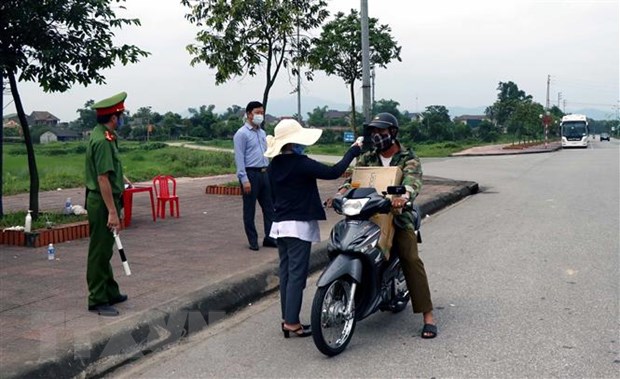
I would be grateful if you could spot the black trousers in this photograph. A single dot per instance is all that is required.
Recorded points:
(294, 261)
(261, 192)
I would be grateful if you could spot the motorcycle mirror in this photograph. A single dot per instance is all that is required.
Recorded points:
(396, 190)
(337, 205)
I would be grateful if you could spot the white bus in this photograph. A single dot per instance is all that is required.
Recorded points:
(574, 130)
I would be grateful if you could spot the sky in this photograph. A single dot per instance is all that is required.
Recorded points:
(454, 53)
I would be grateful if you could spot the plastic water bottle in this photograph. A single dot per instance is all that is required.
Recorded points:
(28, 224)
(51, 252)
(68, 206)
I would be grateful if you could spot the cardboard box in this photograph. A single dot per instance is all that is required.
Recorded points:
(385, 222)
(379, 178)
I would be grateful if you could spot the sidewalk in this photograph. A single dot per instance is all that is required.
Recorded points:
(186, 273)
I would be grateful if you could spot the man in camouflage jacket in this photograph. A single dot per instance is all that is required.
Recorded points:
(388, 151)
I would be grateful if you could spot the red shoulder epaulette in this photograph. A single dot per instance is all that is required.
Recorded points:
(109, 136)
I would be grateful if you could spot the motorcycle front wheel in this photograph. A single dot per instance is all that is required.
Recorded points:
(332, 326)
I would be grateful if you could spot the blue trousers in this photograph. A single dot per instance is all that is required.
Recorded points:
(294, 261)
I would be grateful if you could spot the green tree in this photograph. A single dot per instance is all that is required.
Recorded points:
(317, 116)
(233, 112)
(144, 113)
(508, 99)
(241, 36)
(487, 131)
(87, 118)
(436, 123)
(203, 117)
(173, 122)
(389, 106)
(524, 121)
(462, 131)
(411, 132)
(338, 50)
(58, 43)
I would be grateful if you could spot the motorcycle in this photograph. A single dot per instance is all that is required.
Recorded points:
(359, 280)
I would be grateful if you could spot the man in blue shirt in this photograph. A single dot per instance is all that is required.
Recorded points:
(250, 144)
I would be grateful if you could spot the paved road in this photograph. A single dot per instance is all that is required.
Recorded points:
(524, 279)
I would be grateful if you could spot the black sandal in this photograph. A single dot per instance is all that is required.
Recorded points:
(302, 331)
(429, 331)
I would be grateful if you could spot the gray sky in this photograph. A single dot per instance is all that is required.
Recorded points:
(454, 53)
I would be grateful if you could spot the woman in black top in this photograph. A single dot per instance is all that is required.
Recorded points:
(298, 208)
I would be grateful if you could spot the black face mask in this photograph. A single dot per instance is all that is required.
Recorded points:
(382, 142)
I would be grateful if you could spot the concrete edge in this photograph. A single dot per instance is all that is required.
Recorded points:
(536, 151)
(161, 326)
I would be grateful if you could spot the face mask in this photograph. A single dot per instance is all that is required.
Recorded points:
(382, 142)
(298, 149)
(257, 119)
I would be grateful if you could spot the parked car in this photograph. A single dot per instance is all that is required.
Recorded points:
(604, 136)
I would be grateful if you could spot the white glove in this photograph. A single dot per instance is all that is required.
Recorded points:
(358, 142)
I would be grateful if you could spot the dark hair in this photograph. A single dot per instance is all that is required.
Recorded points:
(106, 118)
(253, 105)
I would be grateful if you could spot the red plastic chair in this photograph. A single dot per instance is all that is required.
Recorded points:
(166, 191)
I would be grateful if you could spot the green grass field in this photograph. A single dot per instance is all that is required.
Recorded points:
(61, 165)
(440, 149)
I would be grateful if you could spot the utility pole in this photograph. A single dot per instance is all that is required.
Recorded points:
(548, 83)
(559, 98)
(365, 61)
(372, 106)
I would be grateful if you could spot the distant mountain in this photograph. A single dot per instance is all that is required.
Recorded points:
(288, 106)
(456, 111)
(596, 114)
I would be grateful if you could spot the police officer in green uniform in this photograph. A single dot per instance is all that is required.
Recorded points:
(388, 151)
(104, 187)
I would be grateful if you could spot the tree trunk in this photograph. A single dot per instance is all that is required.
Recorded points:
(32, 164)
(353, 121)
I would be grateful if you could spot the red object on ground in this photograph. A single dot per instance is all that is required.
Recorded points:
(166, 191)
(128, 202)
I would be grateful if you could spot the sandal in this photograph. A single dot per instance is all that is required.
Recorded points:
(429, 331)
(302, 331)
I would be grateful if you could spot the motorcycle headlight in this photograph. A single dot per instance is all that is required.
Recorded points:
(353, 207)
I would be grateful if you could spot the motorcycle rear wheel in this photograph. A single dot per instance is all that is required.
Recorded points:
(332, 328)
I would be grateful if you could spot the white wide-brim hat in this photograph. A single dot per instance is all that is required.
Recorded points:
(290, 131)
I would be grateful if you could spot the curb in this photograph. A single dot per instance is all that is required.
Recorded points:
(169, 323)
(508, 152)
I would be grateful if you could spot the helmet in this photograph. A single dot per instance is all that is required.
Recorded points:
(384, 120)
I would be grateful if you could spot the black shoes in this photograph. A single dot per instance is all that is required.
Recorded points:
(267, 242)
(121, 298)
(270, 242)
(106, 309)
(103, 310)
